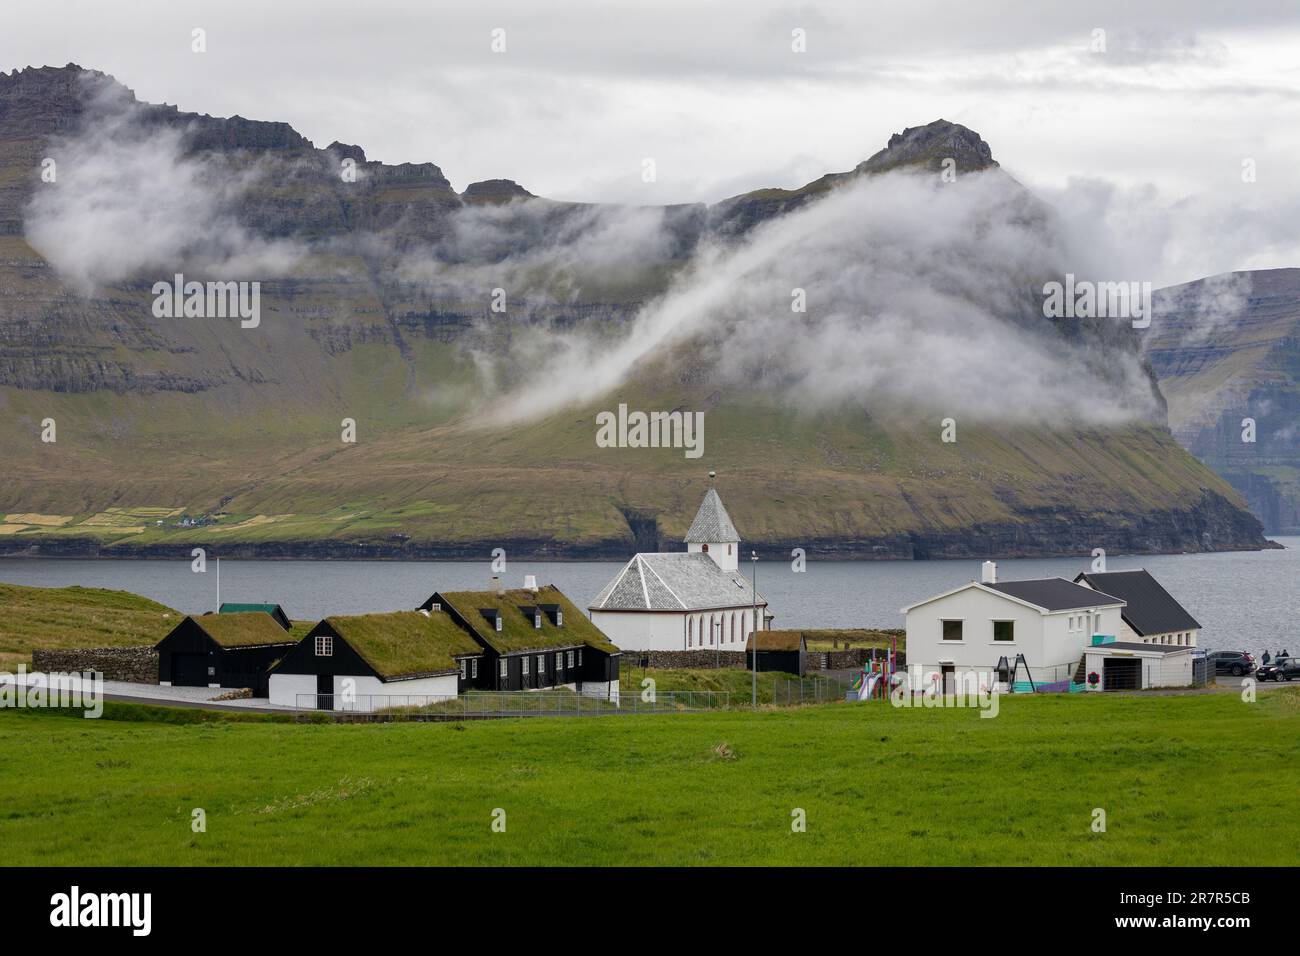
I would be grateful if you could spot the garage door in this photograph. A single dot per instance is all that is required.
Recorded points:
(1121, 673)
(191, 670)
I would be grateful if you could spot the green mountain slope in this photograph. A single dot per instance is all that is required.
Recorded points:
(182, 432)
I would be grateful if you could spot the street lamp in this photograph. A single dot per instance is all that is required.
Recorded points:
(753, 587)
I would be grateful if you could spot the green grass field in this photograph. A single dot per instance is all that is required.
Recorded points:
(1193, 780)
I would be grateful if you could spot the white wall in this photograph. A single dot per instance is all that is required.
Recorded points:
(665, 631)
(1158, 670)
(285, 689)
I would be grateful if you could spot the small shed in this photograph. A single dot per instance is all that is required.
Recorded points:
(222, 650)
(274, 610)
(784, 651)
(1126, 665)
(370, 662)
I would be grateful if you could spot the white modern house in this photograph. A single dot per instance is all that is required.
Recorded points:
(685, 600)
(968, 630)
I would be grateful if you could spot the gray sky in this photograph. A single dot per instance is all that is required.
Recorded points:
(586, 90)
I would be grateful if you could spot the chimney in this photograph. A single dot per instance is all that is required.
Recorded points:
(530, 583)
(496, 585)
(989, 573)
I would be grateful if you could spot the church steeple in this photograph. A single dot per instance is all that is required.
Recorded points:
(713, 533)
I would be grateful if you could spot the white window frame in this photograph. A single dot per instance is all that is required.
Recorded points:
(497, 619)
(435, 607)
(525, 665)
(541, 665)
(504, 668)
(464, 669)
(559, 617)
(473, 668)
(537, 620)
(570, 659)
(324, 645)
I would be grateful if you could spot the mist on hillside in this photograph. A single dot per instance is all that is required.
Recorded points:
(918, 296)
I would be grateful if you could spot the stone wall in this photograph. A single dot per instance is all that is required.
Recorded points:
(136, 664)
(850, 659)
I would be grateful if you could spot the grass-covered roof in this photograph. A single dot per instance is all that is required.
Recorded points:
(776, 641)
(243, 629)
(406, 643)
(517, 631)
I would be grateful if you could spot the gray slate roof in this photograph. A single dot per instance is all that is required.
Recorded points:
(1151, 609)
(712, 523)
(1056, 594)
(674, 582)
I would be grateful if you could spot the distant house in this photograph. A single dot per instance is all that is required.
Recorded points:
(373, 661)
(534, 638)
(1151, 615)
(784, 651)
(684, 600)
(969, 629)
(274, 610)
(222, 650)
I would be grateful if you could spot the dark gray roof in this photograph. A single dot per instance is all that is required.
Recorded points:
(1130, 646)
(712, 523)
(1055, 594)
(1151, 609)
(676, 581)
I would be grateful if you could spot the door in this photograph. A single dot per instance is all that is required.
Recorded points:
(324, 691)
(948, 673)
(1121, 673)
(191, 670)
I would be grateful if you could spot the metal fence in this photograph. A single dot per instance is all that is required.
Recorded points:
(810, 690)
(489, 705)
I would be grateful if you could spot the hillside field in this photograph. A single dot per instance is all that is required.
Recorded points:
(1184, 780)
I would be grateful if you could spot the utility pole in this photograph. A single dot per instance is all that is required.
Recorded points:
(753, 586)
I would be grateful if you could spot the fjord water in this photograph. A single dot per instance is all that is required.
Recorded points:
(1247, 600)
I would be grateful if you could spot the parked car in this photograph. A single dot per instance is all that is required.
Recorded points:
(1236, 663)
(1272, 669)
(1289, 669)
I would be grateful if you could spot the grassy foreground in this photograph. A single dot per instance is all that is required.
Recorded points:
(1183, 780)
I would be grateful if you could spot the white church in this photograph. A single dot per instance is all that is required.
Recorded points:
(685, 600)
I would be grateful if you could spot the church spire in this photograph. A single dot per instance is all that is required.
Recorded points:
(712, 531)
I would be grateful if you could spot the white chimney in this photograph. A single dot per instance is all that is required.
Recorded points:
(496, 585)
(989, 574)
(530, 583)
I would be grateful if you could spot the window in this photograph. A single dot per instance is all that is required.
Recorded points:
(464, 669)
(473, 668)
(580, 657)
(503, 668)
(1004, 630)
(570, 658)
(541, 664)
(704, 548)
(733, 625)
(537, 620)
(498, 622)
(525, 665)
(952, 630)
(324, 645)
(690, 631)
(559, 661)
(435, 607)
(559, 618)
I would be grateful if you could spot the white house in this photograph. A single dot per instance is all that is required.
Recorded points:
(1151, 615)
(679, 601)
(969, 629)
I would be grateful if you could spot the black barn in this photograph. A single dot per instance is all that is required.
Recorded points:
(222, 650)
(784, 651)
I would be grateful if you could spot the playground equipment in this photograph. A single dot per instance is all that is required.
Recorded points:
(877, 674)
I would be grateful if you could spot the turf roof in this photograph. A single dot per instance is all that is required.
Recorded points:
(243, 629)
(406, 643)
(776, 641)
(517, 632)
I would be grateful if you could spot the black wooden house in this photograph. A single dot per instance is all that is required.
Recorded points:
(222, 650)
(784, 651)
(533, 638)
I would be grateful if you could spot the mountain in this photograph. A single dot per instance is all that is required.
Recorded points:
(1227, 349)
(475, 426)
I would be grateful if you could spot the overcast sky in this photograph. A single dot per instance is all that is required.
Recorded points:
(713, 92)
